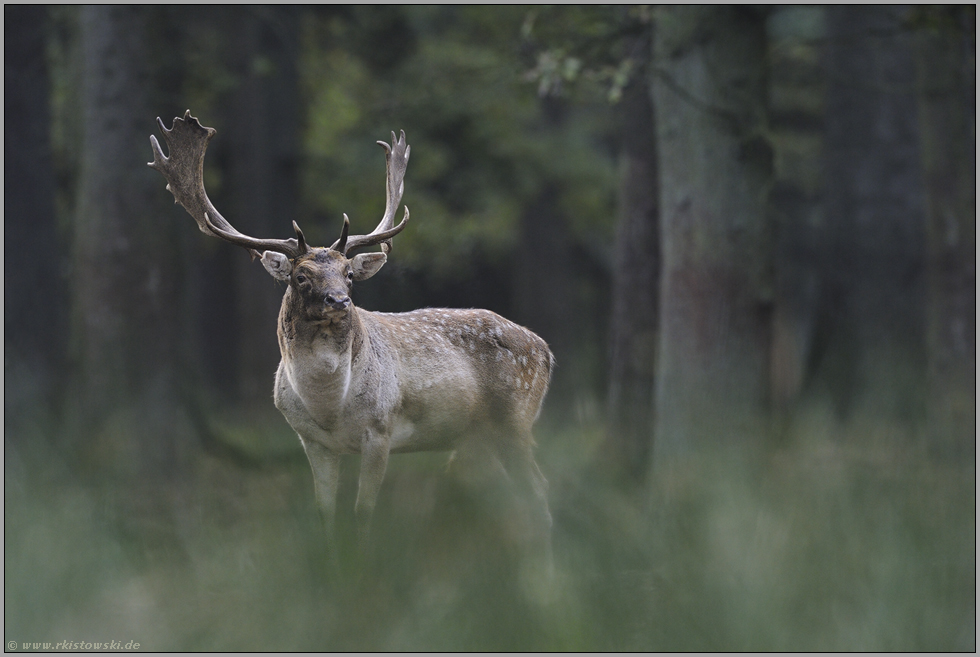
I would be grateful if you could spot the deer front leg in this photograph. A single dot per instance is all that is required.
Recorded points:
(374, 461)
(326, 476)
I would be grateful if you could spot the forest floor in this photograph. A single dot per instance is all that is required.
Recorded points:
(846, 538)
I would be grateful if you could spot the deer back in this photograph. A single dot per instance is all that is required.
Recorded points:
(473, 363)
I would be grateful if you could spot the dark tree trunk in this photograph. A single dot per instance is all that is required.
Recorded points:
(874, 285)
(715, 169)
(544, 291)
(260, 155)
(797, 108)
(636, 281)
(547, 274)
(126, 274)
(946, 77)
(35, 296)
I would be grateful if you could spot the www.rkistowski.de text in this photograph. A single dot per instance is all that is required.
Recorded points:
(72, 645)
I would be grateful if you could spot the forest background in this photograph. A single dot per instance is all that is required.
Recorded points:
(748, 235)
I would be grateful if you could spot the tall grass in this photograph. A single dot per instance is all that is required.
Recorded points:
(845, 539)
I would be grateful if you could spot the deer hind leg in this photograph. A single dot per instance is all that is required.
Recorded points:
(532, 488)
(531, 483)
(475, 463)
(501, 455)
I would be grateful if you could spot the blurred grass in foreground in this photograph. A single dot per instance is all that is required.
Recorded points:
(850, 539)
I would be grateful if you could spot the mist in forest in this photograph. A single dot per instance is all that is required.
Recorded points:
(747, 234)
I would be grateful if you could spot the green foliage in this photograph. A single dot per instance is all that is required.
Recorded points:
(588, 51)
(847, 540)
(481, 149)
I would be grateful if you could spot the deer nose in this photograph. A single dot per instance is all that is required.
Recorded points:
(338, 302)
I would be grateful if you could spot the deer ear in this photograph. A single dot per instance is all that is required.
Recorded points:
(367, 265)
(277, 264)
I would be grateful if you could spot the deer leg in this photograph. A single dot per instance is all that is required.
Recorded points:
(533, 489)
(374, 461)
(475, 464)
(326, 476)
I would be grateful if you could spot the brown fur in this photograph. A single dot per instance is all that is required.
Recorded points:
(353, 381)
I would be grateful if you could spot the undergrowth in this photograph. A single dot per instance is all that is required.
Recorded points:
(835, 541)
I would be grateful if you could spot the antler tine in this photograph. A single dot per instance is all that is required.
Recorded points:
(396, 161)
(187, 142)
(359, 241)
(396, 157)
(292, 247)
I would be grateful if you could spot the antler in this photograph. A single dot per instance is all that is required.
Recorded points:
(187, 142)
(396, 157)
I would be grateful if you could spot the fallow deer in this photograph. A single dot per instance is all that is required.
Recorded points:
(353, 381)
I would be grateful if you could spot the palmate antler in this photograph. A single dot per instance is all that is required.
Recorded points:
(187, 142)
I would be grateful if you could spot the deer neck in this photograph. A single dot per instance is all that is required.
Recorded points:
(318, 356)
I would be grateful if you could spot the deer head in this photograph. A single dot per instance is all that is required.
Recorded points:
(321, 277)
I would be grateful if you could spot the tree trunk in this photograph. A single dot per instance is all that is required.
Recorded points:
(715, 169)
(260, 151)
(35, 297)
(797, 109)
(636, 281)
(946, 83)
(874, 356)
(125, 331)
(546, 282)
(544, 291)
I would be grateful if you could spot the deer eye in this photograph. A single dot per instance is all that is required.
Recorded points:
(350, 275)
(300, 279)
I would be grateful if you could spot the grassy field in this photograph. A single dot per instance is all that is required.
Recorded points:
(848, 538)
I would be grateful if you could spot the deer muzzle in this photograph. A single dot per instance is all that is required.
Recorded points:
(336, 301)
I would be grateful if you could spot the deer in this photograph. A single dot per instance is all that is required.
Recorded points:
(354, 381)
